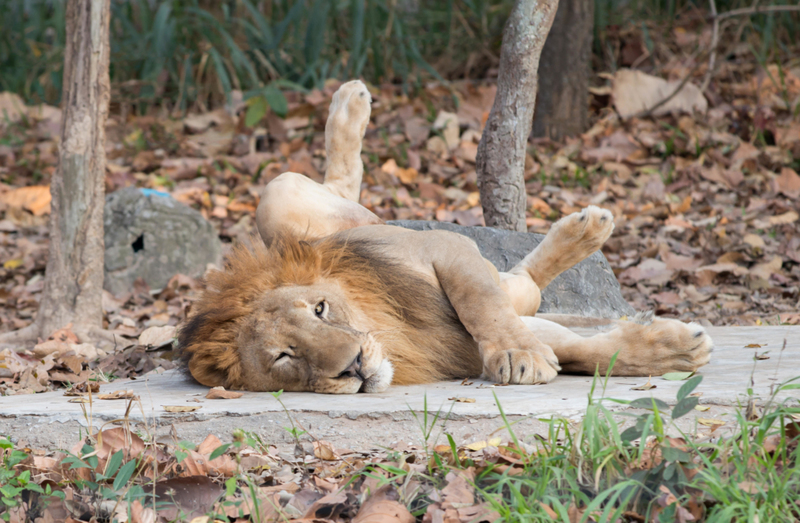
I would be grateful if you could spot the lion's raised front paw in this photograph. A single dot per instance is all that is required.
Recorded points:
(662, 346)
(530, 363)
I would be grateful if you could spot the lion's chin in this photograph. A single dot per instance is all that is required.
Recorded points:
(380, 380)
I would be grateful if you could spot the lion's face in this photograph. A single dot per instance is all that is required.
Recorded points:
(307, 338)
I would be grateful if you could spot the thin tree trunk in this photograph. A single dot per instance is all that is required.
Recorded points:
(562, 108)
(73, 288)
(501, 154)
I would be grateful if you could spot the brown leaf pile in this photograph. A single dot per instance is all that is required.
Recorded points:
(188, 484)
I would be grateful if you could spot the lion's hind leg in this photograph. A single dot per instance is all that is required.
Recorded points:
(295, 203)
(348, 117)
(569, 241)
(646, 346)
(523, 291)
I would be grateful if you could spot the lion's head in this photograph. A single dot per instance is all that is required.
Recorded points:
(290, 317)
(333, 316)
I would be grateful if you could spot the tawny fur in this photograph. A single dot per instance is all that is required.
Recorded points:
(397, 294)
(413, 321)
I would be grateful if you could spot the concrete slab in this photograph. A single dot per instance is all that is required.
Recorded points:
(364, 416)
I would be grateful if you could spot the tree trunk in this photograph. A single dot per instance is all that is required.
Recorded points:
(562, 108)
(501, 154)
(73, 288)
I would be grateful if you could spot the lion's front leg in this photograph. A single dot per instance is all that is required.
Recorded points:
(518, 358)
(510, 352)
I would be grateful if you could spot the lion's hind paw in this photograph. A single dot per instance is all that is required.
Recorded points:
(585, 231)
(349, 112)
(662, 346)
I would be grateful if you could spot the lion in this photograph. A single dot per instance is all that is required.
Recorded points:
(335, 301)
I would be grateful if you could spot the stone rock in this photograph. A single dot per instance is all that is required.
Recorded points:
(149, 234)
(588, 289)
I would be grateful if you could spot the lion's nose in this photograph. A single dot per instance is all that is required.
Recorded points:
(354, 369)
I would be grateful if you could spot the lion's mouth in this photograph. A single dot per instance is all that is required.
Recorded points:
(379, 380)
(370, 384)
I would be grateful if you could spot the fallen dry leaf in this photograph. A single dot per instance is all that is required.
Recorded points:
(112, 440)
(789, 183)
(157, 337)
(635, 92)
(117, 395)
(550, 512)
(785, 218)
(646, 386)
(181, 408)
(710, 422)
(13, 263)
(384, 507)
(84, 387)
(187, 496)
(324, 451)
(329, 506)
(767, 269)
(462, 400)
(480, 445)
(219, 393)
(34, 199)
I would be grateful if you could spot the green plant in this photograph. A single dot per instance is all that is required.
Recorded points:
(13, 482)
(601, 472)
(296, 431)
(187, 53)
(427, 423)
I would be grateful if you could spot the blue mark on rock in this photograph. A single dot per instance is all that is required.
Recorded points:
(153, 192)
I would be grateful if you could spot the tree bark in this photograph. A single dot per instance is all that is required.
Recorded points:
(501, 154)
(562, 108)
(73, 287)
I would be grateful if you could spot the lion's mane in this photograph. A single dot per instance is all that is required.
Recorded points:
(413, 320)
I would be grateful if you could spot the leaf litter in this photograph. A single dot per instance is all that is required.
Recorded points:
(139, 478)
(705, 199)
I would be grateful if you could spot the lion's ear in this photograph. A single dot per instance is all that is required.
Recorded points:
(221, 370)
